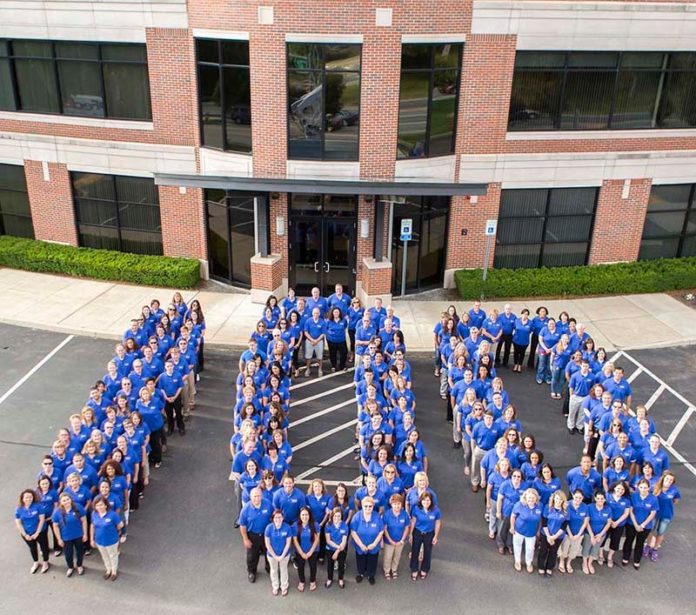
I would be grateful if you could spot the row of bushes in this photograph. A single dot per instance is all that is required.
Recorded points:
(615, 279)
(32, 255)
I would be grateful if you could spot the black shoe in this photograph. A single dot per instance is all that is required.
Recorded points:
(456, 445)
(358, 578)
(267, 568)
(371, 580)
(236, 524)
(182, 432)
(571, 430)
(252, 577)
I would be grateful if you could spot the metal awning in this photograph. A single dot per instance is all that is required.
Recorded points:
(321, 186)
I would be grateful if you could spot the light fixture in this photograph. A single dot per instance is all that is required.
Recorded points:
(280, 226)
(364, 228)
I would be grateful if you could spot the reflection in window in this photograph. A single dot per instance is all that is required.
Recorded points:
(545, 227)
(15, 214)
(600, 90)
(81, 79)
(428, 99)
(117, 213)
(224, 94)
(670, 223)
(324, 101)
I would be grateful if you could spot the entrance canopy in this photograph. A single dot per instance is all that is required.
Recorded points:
(321, 186)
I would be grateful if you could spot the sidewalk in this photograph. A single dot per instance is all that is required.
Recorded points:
(104, 309)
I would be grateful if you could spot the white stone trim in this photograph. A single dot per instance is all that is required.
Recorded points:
(323, 38)
(74, 120)
(639, 26)
(215, 162)
(440, 168)
(90, 20)
(225, 35)
(96, 156)
(577, 169)
(459, 37)
(320, 169)
(570, 135)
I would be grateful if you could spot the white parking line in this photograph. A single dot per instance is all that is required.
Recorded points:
(311, 417)
(653, 398)
(34, 369)
(634, 375)
(326, 434)
(332, 483)
(325, 463)
(680, 425)
(299, 402)
(313, 380)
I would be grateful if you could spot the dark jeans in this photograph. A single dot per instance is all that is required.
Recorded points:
(134, 496)
(258, 548)
(170, 408)
(156, 440)
(615, 535)
(547, 553)
(532, 349)
(41, 542)
(341, 560)
(634, 536)
(426, 540)
(201, 359)
(338, 354)
(73, 549)
(366, 564)
(504, 344)
(503, 539)
(351, 336)
(518, 354)
(312, 561)
(450, 410)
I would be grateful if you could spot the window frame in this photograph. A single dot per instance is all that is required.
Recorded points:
(55, 60)
(221, 66)
(16, 215)
(545, 217)
(431, 71)
(683, 235)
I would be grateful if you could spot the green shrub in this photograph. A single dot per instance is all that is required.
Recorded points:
(619, 278)
(32, 255)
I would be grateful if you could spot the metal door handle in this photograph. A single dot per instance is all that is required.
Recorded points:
(328, 267)
(316, 266)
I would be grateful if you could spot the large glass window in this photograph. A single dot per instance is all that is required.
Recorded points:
(428, 99)
(115, 212)
(224, 94)
(596, 90)
(323, 101)
(83, 79)
(545, 227)
(670, 223)
(15, 215)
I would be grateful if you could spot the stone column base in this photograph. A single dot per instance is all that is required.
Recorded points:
(376, 282)
(267, 278)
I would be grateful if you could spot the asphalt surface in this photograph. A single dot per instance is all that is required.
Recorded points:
(183, 554)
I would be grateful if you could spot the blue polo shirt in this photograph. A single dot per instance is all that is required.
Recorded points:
(278, 537)
(618, 507)
(367, 531)
(507, 322)
(577, 516)
(255, 519)
(29, 517)
(485, 437)
(555, 520)
(619, 390)
(493, 327)
(106, 528)
(521, 332)
(476, 318)
(315, 328)
(526, 519)
(642, 508)
(321, 303)
(581, 385)
(342, 302)
(599, 518)
(510, 495)
(587, 484)
(336, 533)
(289, 503)
(151, 415)
(666, 501)
(170, 384)
(336, 331)
(659, 460)
(70, 523)
(425, 520)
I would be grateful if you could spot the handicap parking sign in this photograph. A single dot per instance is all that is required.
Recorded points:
(406, 229)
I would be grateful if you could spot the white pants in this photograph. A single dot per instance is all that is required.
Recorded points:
(576, 418)
(476, 458)
(279, 573)
(110, 556)
(529, 543)
(314, 351)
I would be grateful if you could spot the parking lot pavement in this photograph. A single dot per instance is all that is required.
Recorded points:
(183, 555)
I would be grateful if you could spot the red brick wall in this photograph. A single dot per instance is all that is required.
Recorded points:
(51, 202)
(267, 276)
(279, 245)
(364, 247)
(467, 251)
(619, 222)
(377, 281)
(183, 222)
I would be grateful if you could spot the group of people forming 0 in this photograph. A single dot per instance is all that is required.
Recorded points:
(394, 508)
(621, 490)
(98, 467)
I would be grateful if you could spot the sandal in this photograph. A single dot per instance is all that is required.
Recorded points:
(591, 568)
(518, 566)
(275, 592)
(328, 583)
(414, 576)
(312, 587)
(585, 568)
(395, 574)
(569, 568)
(610, 563)
(284, 592)
(561, 568)
(423, 576)
(341, 583)
(530, 568)
(300, 587)
(387, 576)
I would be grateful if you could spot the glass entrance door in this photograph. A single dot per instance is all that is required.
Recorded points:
(322, 243)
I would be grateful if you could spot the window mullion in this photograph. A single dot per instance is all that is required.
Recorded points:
(102, 81)
(118, 214)
(543, 229)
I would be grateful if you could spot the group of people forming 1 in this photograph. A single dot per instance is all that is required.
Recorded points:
(395, 506)
(99, 465)
(623, 488)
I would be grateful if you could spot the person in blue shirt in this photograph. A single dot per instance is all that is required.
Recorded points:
(655, 455)
(620, 504)
(617, 471)
(306, 537)
(104, 535)
(288, 303)
(644, 509)
(578, 520)
(317, 301)
(314, 332)
(172, 386)
(548, 338)
(355, 315)
(619, 387)
(366, 531)
(318, 502)
(521, 332)
(509, 494)
(585, 478)
(376, 313)
(30, 520)
(425, 530)
(289, 499)
(364, 333)
(547, 483)
(597, 531)
(477, 315)
(70, 525)
(336, 535)
(579, 387)
(136, 332)
(538, 323)
(555, 518)
(340, 300)
(278, 540)
(484, 436)
(336, 327)
(506, 320)
(151, 413)
(668, 495)
(525, 521)
(560, 355)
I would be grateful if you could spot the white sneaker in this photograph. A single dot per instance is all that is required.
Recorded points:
(34, 568)
(320, 373)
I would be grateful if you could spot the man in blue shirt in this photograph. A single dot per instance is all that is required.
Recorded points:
(340, 300)
(506, 320)
(289, 500)
(619, 387)
(585, 478)
(317, 301)
(315, 332)
(477, 315)
(172, 384)
(579, 387)
(136, 332)
(376, 312)
(483, 436)
(255, 516)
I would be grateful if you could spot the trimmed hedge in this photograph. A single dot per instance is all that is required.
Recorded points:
(32, 255)
(615, 279)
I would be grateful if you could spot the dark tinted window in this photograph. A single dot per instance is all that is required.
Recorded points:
(15, 214)
(670, 223)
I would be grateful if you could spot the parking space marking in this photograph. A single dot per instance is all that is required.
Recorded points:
(326, 462)
(299, 402)
(635, 375)
(328, 410)
(294, 387)
(332, 483)
(680, 425)
(34, 369)
(653, 398)
(323, 435)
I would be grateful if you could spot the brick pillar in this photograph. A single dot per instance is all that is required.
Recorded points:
(172, 71)
(466, 240)
(267, 278)
(279, 244)
(51, 202)
(364, 246)
(618, 225)
(183, 222)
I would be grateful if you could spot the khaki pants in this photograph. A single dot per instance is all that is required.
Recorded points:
(456, 435)
(188, 395)
(476, 464)
(279, 573)
(570, 548)
(392, 555)
(110, 556)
